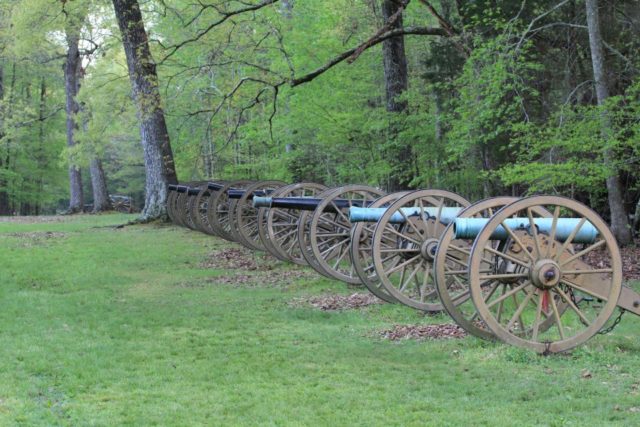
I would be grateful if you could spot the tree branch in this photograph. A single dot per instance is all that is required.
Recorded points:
(424, 31)
(225, 16)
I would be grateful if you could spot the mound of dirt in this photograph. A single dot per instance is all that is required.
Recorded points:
(338, 302)
(422, 332)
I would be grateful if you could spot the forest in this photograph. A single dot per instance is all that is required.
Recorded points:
(480, 97)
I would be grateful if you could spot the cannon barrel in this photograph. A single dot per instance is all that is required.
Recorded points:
(172, 187)
(469, 228)
(234, 193)
(193, 191)
(181, 188)
(214, 186)
(447, 214)
(302, 203)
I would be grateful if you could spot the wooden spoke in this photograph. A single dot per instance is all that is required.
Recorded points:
(583, 252)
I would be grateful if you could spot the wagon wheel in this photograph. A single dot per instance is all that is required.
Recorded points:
(361, 250)
(278, 227)
(303, 236)
(537, 266)
(330, 230)
(218, 209)
(171, 200)
(191, 206)
(181, 206)
(404, 245)
(450, 269)
(244, 217)
(200, 220)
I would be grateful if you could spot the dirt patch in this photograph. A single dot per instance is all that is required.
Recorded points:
(423, 332)
(338, 302)
(630, 261)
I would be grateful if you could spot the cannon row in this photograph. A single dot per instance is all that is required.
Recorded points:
(543, 272)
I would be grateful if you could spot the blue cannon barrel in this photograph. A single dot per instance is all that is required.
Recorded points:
(193, 191)
(302, 203)
(214, 186)
(447, 214)
(181, 188)
(172, 187)
(469, 228)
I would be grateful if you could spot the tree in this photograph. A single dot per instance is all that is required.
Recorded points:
(619, 221)
(396, 82)
(158, 155)
(72, 77)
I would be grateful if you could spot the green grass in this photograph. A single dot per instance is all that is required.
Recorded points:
(105, 326)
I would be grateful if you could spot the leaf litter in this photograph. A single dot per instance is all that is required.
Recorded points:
(423, 332)
(335, 302)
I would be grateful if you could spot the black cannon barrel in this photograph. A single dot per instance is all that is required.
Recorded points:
(172, 187)
(235, 193)
(215, 186)
(181, 188)
(311, 203)
(193, 191)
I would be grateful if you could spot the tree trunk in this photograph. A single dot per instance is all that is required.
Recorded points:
(41, 157)
(72, 70)
(101, 200)
(619, 221)
(3, 194)
(158, 156)
(396, 81)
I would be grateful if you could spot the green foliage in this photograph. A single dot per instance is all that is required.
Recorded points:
(567, 154)
(506, 106)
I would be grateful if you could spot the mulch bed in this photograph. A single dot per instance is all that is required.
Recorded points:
(423, 332)
(268, 279)
(630, 261)
(231, 258)
(338, 302)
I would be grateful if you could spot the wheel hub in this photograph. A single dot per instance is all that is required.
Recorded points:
(429, 248)
(545, 274)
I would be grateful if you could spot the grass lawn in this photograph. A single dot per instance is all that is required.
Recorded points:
(106, 326)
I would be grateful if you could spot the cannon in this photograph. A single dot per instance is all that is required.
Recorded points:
(322, 229)
(219, 205)
(243, 216)
(278, 224)
(404, 242)
(534, 270)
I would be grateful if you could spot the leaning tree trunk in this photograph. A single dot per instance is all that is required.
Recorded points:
(158, 157)
(396, 82)
(72, 70)
(101, 202)
(619, 221)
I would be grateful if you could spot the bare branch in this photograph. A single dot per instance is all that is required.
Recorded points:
(424, 31)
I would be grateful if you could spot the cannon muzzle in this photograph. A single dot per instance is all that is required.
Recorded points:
(469, 228)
